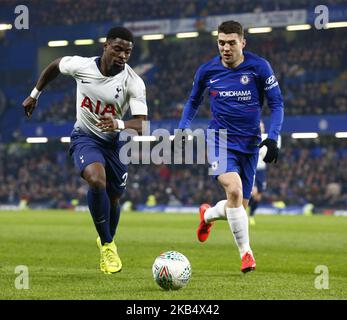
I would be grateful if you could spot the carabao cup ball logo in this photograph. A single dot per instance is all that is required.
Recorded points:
(244, 79)
(171, 270)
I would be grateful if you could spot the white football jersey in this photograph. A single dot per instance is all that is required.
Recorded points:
(99, 96)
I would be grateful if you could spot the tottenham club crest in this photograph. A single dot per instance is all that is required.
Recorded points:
(118, 91)
(244, 79)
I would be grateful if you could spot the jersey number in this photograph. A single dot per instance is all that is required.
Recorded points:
(125, 178)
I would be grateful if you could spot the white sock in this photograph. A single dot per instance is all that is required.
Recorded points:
(216, 213)
(238, 221)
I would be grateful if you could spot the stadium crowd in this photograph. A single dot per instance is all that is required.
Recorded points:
(48, 177)
(312, 78)
(67, 12)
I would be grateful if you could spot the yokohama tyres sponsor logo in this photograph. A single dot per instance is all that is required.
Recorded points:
(240, 93)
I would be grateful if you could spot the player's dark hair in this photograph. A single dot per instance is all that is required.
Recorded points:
(231, 27)
(121, 33)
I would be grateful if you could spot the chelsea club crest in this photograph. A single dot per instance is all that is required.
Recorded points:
(244, 79)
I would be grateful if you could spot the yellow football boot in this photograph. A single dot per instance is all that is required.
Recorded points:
(109, 259)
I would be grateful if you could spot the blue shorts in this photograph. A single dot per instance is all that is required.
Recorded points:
(260, 180)
(86, 149)
(234, 161)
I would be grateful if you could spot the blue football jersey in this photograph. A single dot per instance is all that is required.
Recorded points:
(236, 100)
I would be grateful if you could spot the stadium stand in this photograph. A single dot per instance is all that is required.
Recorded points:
(313, 80)
(310, 66)
(67, 12)
(45, 176)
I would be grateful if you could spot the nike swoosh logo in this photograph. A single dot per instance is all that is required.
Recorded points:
(213, 81)
(85, 81)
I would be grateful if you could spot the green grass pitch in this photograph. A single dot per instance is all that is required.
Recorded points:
(59, 249)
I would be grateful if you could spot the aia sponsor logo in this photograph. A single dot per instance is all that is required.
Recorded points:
(99, 108)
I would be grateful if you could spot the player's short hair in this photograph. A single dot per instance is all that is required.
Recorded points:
(121, 33)
(231, 27)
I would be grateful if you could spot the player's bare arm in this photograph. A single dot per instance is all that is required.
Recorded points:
(108, 124)
(46, 76)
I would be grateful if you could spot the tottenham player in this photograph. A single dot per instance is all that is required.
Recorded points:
(237, 82)
(106, 88)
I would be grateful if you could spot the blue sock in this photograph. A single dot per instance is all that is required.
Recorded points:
(114, 219)
(99, 206)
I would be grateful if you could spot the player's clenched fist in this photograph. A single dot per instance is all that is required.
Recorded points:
(29, 105)
(108, 124)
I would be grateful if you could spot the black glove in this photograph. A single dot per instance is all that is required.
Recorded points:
(272, 150)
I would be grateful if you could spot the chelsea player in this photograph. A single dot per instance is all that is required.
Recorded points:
(237, 82)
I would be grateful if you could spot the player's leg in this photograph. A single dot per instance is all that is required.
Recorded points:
(253, 202)
(116, 178)
(259, 187)
(207, 216)
(88, 158)
(114, 211)
(90, 162)
(98, 200)
(237, 217)
(247, 174)
(216, 212)
(99, 206)
(235, 210)
(113, 222)
(253, 205)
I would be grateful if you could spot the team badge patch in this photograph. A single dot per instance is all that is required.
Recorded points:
(118, 91)
(244, 79)
(270, 80)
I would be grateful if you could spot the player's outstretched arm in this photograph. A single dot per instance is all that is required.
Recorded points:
(47, 75)
(190, 110)
(274, 98)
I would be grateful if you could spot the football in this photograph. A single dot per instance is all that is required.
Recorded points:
(171, 270)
